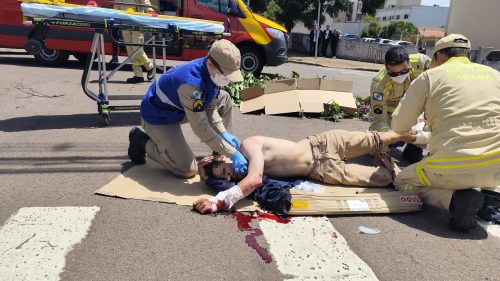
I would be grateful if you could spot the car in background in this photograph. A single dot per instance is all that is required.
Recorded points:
(367, 39)
(349, 37)
(385, 41)
(402, 43)
(492, 59)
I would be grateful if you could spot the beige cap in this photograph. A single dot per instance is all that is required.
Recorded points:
(452, 40)
(228, 58)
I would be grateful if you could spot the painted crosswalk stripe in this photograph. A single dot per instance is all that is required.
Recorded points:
(493, 229)
(310, 248)
(35, 241)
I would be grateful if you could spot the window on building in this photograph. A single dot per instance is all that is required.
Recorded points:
(384, 18)
(407, 16)
(398, 17)
(391, 17)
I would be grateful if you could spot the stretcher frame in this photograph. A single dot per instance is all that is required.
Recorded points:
(161, 38)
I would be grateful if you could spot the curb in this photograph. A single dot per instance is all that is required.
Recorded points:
(351, 68)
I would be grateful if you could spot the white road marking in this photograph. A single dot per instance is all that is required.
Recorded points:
(34, 242)
(310, 248)
(493, 229)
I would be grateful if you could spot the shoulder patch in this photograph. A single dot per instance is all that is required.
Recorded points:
(378, 96)
(377, 109)
(196, 95)
(198, 105)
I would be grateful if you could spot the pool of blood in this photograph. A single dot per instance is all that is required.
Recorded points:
(251, 239)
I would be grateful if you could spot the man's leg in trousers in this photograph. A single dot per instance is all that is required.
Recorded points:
(141, 56)
(353, 144)
(434, 194)
(225, 109)
(362, 175)
(128, 37)
(168, 147)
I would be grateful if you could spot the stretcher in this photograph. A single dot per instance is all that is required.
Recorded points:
(167, 33)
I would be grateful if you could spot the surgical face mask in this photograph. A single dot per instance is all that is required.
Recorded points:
(400, 79)
(220, 80)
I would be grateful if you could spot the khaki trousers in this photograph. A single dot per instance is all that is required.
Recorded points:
(332, 150)
(437, 189)
(169, 148)
(140, 58)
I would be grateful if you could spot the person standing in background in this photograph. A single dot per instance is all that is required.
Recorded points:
(140, 58)
(334, 42)
(314, 36)
(326, 35)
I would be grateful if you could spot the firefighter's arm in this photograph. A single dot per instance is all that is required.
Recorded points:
(411, 105)
(192, 103)
(378, 103)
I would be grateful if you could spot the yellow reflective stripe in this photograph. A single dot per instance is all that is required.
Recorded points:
(463, 166)
(408, 187)
(456, 159)
(463, 162)
(421, 175)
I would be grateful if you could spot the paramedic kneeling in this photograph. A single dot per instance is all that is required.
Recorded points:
(190, 92)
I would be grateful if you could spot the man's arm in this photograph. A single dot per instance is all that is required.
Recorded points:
(214, 118)
(252, 149)
(198, 120)
(411, 105)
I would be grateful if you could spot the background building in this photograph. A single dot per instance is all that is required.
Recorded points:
(420, 16)
(478, 20)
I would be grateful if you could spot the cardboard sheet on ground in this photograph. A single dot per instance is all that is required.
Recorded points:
(150, 182)
(302, 95)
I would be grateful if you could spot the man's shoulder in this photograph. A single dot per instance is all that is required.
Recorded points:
(381, 78)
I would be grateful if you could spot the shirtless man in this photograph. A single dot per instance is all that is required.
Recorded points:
(321, 157)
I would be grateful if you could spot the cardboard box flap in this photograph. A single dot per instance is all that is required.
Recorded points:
(280, 86)
(251, 93)
(281, 102)
(345, 100)
(308, 84)
(336, 85)
(252, 105)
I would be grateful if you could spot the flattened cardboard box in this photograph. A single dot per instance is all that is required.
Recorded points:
(306, 95)
(338, 200)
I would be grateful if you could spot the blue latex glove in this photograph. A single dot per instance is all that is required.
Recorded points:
(231, 139)
(240, 164)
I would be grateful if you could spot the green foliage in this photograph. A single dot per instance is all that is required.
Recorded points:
(333, 112)
(372, 31)
(370, 6)
(401, 27)
(249, 80)
(259, 6)
(306, 11)
(363, 108)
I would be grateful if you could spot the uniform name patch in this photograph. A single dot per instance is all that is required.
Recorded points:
(377, 109)
(378, 96)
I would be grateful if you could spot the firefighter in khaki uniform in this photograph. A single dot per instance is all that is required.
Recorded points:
(389, 86)
(461, 103)
(140, 58)
(190, 92)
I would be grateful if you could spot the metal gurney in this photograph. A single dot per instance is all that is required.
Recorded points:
(165, 30)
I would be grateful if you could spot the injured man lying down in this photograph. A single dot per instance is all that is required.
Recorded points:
(323, 157)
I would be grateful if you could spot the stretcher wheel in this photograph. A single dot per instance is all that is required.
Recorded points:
(106, 118)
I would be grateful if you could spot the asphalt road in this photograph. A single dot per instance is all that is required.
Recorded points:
(54, 151)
